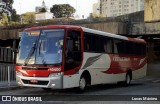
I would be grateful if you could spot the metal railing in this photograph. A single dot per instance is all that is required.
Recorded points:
(7, 67)
(7, 75)
(6, 55)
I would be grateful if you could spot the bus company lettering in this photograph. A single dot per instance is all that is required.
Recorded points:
(54, 69)
(121, 59)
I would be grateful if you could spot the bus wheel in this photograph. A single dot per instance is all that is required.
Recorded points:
(128, 79)
(82, 84)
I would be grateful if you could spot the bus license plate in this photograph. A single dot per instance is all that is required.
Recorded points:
(33, 81)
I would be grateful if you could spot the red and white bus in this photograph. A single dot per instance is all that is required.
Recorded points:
(65, 56)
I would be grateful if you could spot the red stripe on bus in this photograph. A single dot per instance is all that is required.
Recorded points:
(118, 67)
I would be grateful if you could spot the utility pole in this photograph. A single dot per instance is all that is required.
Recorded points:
(20, 12)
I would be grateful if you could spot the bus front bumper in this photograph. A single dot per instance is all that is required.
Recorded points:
(54, 82)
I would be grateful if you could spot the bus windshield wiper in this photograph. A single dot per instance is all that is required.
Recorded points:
(31, 52)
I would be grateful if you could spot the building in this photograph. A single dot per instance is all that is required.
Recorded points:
(95, 10)
(43, 16)
(38, 8)
(113, 8)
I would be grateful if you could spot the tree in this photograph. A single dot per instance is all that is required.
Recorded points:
(43, 10)
(8, 1)
(15, 17)
(4, 20)
(6, 9)
(28, 17)
(62, 10)
(7, 6)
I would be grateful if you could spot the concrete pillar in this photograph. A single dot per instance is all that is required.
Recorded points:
(151, 54)
(151, 10)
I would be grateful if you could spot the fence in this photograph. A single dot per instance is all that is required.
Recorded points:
(6, 55)
(7, 75)
(7, 67)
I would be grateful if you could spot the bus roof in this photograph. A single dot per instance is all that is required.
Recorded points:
(104, 33)
(112, 35)
(53, 26)
(89, 31)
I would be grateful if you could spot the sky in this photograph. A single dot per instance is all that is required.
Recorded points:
(83, 7)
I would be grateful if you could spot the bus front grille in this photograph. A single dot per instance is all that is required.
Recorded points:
(35, 83)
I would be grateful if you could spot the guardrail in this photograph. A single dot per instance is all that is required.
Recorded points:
(7, 75)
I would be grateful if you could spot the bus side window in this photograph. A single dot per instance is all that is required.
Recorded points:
(108, 46)
(116, 43)
(73, 50)
(86, 44)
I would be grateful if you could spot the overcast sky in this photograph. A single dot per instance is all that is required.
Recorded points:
(84, 7)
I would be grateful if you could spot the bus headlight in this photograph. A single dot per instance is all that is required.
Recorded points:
(18, 73)
(54, 74)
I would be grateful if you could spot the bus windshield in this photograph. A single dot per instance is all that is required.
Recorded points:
(41, 47)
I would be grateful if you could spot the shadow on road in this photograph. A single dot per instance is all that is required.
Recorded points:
(94, 88)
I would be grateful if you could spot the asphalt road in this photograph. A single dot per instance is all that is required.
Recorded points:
(99, 94)
(144, 86)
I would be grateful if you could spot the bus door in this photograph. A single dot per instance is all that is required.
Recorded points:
(73, 52)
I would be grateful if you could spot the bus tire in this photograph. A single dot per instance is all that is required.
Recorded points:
(82, 84)
(128, 79)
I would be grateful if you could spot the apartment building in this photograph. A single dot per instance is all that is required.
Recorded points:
(113, 8)
(95, 9)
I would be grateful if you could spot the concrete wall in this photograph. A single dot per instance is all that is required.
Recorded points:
(112, 27)
(10, 34)
(146, 28)
(117, 25)
(152, 10)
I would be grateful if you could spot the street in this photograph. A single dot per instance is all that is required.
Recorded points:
(144, 87)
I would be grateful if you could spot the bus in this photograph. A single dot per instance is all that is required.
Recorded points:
(67, 56)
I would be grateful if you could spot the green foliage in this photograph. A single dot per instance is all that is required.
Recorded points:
(43, 10)
(4, 20)
(8, 5)
(7, 9)
(28, 17)
(62, 10)
(15, 17)
(8, 1)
